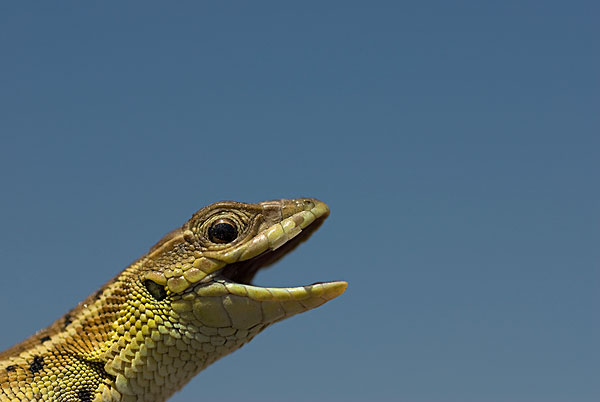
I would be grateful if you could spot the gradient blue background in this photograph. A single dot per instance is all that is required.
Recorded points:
(457, 144)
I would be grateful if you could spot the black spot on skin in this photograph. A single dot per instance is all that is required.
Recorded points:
(68, 320)
(44, 339)
(12, 367)
(37, 364)
(98, 294)
(84, 395)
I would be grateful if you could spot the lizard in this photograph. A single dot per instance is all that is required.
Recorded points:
(185, 304)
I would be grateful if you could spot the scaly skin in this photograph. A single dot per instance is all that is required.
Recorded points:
(170, 314)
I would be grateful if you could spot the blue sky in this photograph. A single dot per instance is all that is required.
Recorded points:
(455, 142)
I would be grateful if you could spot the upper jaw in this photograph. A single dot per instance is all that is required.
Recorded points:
(282, 221)
(296, 226)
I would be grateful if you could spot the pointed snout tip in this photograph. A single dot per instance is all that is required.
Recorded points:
(335, 289)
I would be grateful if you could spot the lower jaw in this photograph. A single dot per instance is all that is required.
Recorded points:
(226, 304)
(323, 291)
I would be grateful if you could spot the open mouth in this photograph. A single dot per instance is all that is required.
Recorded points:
(243, 272)
(235, 277)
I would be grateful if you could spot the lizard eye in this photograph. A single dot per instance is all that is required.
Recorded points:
(222, 231)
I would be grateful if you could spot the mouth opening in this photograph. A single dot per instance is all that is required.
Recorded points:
(243, 272)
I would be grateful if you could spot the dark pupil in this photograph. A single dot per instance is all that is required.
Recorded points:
(222, 232)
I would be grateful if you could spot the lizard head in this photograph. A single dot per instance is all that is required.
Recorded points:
(203, 271)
